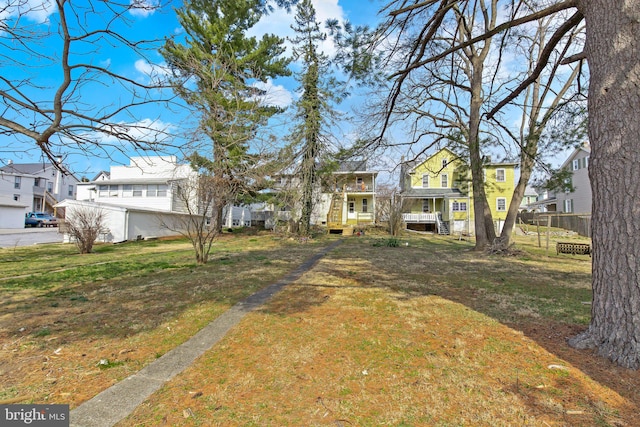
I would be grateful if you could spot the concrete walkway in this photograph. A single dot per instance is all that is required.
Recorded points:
(118, 401)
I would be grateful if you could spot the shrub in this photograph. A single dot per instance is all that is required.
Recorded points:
(84, 225)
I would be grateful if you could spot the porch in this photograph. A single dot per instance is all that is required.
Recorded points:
(426, 222)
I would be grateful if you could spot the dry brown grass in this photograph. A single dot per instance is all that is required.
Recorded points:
(368, 339)
(429, 334)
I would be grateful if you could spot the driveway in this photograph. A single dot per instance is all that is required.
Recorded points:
(28, 236)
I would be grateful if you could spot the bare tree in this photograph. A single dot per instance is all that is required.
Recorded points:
(197, 198)
(612, 50)
(549, 95)
(84, 226)
(390, 208)
(52, 65)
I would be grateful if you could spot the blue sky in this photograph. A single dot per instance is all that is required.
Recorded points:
(145, 25)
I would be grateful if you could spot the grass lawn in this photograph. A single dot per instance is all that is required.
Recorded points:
(427, 333)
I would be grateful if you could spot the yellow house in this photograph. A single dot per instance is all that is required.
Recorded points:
(437, 194)
(351, 195)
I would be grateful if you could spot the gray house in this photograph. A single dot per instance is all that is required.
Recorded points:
(579, 200)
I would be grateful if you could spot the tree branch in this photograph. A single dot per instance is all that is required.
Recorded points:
(542, 63)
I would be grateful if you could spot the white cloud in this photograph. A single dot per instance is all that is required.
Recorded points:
(276, 95)
(279, 22)
(143, 8)
(34, 10)
(153, 72)
(145, 130)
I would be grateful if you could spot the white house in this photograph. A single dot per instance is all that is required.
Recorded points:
(144, 199)
(34, 186)
(147, 182)
(529, 198)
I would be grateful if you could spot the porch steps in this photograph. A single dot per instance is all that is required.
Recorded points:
(443, 228)
(334, 217)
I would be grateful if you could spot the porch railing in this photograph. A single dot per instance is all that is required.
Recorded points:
(365, 216)
(429, 218)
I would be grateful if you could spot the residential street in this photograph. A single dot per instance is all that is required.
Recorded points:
(28, 236)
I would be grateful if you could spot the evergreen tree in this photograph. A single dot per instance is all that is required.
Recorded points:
(214, 70)
(313, 109)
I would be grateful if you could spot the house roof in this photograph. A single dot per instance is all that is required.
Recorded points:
(584, 147)
(110, 207)
(353, 166)
(32, 169)
(25, 168)
(138, 180)
(107, 174)
(427, 193)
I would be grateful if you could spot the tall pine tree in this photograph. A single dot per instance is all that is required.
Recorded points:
(215, 69)
(313, 109)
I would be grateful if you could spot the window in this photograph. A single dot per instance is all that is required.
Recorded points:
(364, 205)
(137, 191)
(425, 206)
(113, 191)
(157, 190)
(501, 204)
(500, 175)
(127, 190)
(568, 205)
(445, 162)
(103, 190)
(459, 206)
(576, 164)
(352, 206)
(17, 183)
(50, 187)
(425, 181)
(586, 161)
(359, 180)
(444, 180)
(16, 197)
(70, 192)
(38, 182)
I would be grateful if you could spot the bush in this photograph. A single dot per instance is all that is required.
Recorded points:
(84, 225)
(391, 242)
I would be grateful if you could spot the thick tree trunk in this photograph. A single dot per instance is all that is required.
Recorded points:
(484, 231)
(613, 52)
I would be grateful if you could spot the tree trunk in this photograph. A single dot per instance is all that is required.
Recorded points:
(483, 225)
(526, 166)
(613, 52)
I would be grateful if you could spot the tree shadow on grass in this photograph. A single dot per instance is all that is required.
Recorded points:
(543, 297)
